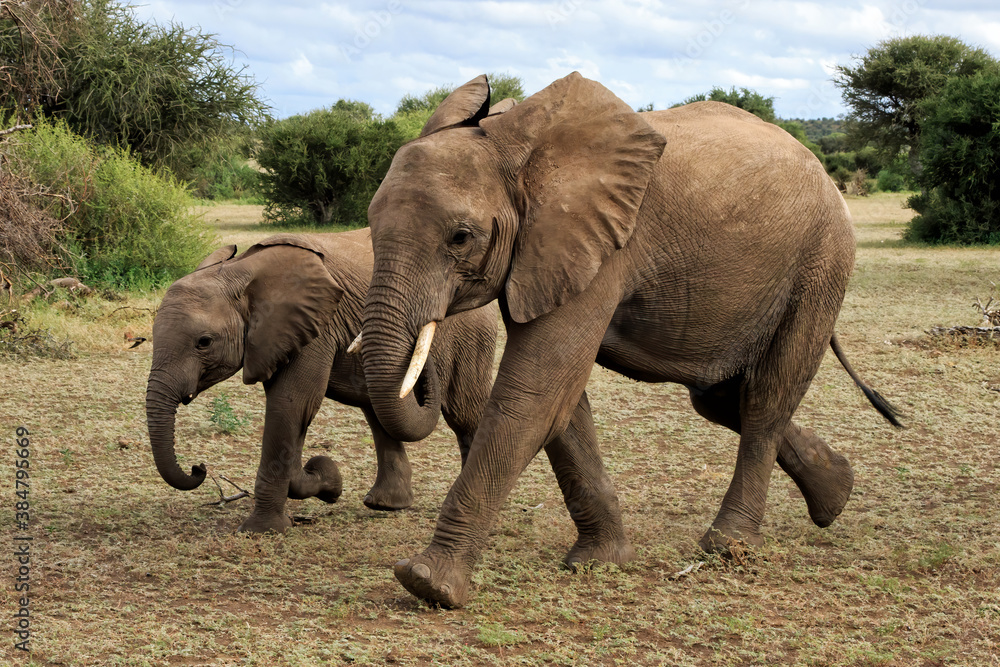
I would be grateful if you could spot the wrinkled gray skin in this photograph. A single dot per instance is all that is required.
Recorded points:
(699, 245)
(286, 311)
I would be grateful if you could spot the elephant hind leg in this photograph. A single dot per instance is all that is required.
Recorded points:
(824, 476)
(768, 395)
(589, 494)
(392, 488)
(319, 478)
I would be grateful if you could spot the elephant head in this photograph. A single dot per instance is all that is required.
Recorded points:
(522, 203)
(252, 312)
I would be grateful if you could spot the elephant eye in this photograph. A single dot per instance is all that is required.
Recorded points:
(204, 342)
(460, 237)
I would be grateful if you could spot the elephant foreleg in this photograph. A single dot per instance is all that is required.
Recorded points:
(543, 374)
(294, 396)
(589, 494)
(392, 490)
(464, 428)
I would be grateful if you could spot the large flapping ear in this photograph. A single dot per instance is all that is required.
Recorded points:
(467, 105)
(291, 298)
(586, 158)
(221, 255)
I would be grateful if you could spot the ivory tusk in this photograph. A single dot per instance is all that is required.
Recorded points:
(420, 352)
(354, 346)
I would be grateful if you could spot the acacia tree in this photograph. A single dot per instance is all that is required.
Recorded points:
(887, 89)
(149, 87)
(29, 58)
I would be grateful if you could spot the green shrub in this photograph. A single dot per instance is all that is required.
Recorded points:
(124, 224)
(225, 418)
(890, 181)
(323, 168)
(222, 171)
(833, 143)
(960, 148)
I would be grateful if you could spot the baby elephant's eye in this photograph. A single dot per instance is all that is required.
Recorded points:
(204, 342)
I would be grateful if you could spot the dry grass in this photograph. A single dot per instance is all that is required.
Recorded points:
(128, 571)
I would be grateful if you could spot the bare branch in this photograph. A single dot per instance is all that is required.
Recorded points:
(224, 499)
(11, 130)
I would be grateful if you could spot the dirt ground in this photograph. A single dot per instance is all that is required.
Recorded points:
(123, 570)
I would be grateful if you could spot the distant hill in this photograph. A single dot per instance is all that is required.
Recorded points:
(817, 128)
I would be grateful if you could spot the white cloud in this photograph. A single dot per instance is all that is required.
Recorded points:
(302, 68)
(307, 55)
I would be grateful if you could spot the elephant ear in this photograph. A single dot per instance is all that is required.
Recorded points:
(585, 160)
(221, 255)
(503, 106)
(290, 299)
(467, 105)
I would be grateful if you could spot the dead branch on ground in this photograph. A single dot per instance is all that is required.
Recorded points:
(223, 498)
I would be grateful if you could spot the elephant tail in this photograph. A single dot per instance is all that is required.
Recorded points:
(885, 408)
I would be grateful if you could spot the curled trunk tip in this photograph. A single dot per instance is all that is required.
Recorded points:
(161, 413)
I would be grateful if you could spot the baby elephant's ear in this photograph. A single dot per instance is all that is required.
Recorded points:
(291, 299)
(467, 105)
(223, 254)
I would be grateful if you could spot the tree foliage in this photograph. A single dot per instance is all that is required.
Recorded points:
(323, 167)
(149, 87)
(743, 98)
(888, 87)
(960, 145)
(30, 68)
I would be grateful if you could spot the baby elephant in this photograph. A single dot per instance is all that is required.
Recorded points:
(286, 311)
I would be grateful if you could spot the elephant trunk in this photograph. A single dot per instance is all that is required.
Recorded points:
(388, 344)
(161, 411)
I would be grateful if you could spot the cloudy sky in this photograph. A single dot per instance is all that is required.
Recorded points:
(307, 55)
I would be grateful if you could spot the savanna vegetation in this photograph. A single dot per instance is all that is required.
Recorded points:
(126, 570)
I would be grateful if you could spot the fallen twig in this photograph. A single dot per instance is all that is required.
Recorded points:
(223, 498)
(690, 569)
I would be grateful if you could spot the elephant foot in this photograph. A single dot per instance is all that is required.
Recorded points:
(388, 498)
(440, 585)
(825, 507)
(330, 486)
(724, 538)
(827, 489)
(824, 477)
(277, 523)
(619, 553)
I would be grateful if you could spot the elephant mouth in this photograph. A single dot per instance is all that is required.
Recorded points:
(186, 400)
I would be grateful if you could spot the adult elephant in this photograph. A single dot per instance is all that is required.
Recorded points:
(286, 311)
(718, 262)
